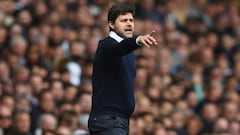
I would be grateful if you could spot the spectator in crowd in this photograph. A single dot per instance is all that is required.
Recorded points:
(21, 123)
(45, 122)
(5, 118)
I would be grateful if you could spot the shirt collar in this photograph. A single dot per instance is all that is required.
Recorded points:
(115, 36)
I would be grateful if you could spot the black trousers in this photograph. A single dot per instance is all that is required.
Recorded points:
(108, 125)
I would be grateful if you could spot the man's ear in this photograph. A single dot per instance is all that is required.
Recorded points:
(111, 25)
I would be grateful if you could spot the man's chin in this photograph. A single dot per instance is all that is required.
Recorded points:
(128, 35)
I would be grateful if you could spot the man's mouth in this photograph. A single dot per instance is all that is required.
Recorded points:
(128, 30)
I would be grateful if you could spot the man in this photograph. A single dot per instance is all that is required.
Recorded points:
(114, 72)
(5, 119)
(21, 123)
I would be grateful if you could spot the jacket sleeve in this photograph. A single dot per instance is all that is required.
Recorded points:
(122, 48)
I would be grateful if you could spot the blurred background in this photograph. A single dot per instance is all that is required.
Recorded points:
(188, 85)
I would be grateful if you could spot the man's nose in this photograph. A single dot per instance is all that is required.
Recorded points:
(129, 23)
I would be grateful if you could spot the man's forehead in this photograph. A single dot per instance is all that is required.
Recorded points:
(127, 15)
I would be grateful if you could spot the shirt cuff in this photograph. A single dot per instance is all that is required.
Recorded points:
(137, 41)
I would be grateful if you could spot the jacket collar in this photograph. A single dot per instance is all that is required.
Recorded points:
(115, 36)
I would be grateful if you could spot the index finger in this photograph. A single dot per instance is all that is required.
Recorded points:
(152, 33)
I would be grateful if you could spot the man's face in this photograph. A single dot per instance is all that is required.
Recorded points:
(5, 117)
(22, 123)
(124, 25)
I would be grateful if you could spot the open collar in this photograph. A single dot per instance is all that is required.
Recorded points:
(115, 36)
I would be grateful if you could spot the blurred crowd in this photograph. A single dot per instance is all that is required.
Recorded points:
(188, 85)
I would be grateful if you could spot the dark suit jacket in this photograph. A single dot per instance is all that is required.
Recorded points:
(114, 72)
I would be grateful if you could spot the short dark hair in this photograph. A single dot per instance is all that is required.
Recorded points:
(119, 9)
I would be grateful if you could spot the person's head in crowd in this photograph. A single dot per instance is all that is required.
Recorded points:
(47, 122)
(71, 34)
(142, 103)
(21, 74)
(32, 31)
(15, 30)
(160, 131)
(22, 102)
(193, 63)
(215, 74)
(171, 131)
(70, 92)
(8, 100)
(84, 101)
(21, 122)
(46, 101)
(65, 106)
(178, 118)
(141, 78)
(36, 83)
(148, 120)
(86, 85)
(48, 132)
(3, 36)
(24, 18)
(18, 46)
(212, 40)
(224, 65)
(40, 10)
(77, 51)
(194, 25)
(211, 6)
(227, 42)
(41, 43)
(166, 108)
(134, 129)
(65, 75)
(92, 44)
(56, 36)
(13, 61)
(155, 81)
(151, 56)
(176, 91)
(33, 56)
(4, 70)
(234, 127)
(183, 107)
(63, 130)
(68, 119)
(207, 56)
(87, 68)
(5, 117)
(231, 83)
(84, 17)
(236, 69)
(166, 94)
(82, 122)
(221, 124)
(230, 110)
(209, 112)
(192, 100)
(57, 89)
(232, 96)
(53, 17)
(214, 91)
(39, 70)
(153, 93)
(84, 34)
(193, 125)
(54, 75)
